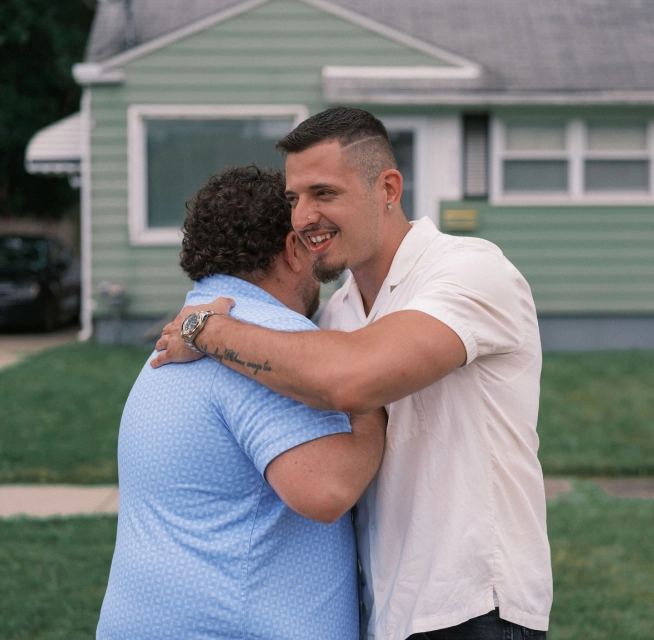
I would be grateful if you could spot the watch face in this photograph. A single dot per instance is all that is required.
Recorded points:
(190, 323)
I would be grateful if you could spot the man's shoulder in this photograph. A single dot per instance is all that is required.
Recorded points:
(269, 315)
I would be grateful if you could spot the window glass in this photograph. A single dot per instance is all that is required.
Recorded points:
(402, 142)
(627, 138)
(535, 175)
(22, 254)
(182, 154)
(617, 175)
(542, 138)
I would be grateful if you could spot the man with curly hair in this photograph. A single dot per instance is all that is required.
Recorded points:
(234, 501)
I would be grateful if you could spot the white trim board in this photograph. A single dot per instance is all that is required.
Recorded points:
(490, 98)
(107, 71)
(399, 73)
(139, 232)
(86, 237)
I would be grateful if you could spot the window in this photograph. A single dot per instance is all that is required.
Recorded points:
(174, 149)
(576, 161)
(616, 159)
(535, 160)
(475, 156)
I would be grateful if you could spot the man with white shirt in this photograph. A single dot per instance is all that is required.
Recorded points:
(442, 331)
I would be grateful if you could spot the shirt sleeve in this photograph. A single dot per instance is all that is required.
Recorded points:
(475, 292)
(264, 423)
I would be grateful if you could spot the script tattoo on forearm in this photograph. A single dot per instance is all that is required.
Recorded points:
(229, 355)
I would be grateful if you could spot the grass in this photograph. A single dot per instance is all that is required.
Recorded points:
(603, 562)
(61, 409)
(597, 413)
(53, 575)
(60, 413)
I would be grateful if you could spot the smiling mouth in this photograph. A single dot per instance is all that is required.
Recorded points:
(319, 240)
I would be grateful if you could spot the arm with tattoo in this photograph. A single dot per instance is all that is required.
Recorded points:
(356, 372)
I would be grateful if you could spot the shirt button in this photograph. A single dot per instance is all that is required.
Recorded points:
(381, 586)
(372, 526)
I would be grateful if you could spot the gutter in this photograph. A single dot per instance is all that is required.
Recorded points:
(85, 219)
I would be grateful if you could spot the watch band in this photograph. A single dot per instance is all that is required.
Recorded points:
(192, 326)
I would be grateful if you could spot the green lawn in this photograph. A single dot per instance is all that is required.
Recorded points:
(603, 564)
(597, 413)
(60, 412)
(53, 575)
(53, 572)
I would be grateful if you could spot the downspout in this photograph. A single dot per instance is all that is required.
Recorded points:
(85, 220)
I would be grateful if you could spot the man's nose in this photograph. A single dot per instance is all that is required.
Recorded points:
(303, 216)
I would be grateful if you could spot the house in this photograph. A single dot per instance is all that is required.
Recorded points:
(527, 123)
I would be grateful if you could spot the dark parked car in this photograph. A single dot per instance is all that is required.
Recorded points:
(39, 283)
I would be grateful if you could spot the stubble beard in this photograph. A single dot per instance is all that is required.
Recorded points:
(328, 272)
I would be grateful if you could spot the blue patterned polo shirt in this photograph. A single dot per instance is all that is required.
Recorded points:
(205, 547)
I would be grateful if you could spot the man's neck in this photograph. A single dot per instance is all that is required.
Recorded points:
(279, 288)
(371, 274)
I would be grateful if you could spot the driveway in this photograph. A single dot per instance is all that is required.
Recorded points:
(15, 346)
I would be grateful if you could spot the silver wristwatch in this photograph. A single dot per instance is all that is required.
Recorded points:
(193, 325)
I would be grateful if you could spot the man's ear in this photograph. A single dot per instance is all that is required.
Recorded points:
(392, 185)
(292, 252)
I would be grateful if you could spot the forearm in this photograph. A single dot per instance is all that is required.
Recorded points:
(322, 479)
(310, 366)
(354, 372)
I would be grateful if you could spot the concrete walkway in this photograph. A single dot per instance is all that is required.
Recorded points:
(15, 346)
(43, 501)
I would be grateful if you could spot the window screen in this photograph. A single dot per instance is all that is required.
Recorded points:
(182, 154)
(625, 138)
(475, 156)
(535, 175)
(535, 138)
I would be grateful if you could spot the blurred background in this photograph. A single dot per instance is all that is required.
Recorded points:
(526, 123)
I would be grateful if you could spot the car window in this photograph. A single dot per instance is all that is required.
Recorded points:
(22, 254)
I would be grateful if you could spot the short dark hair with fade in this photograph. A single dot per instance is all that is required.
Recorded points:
(364, 136)
(236, 224)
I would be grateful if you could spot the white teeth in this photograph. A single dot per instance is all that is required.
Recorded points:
(318, 239)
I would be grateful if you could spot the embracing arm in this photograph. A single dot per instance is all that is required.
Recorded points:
(323, 478)
(356, 372)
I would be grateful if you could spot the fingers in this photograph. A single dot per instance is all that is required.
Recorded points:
(221, 305)
(162, 343)
(161, 359)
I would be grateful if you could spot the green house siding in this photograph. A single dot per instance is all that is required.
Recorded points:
(271, 55)
(578, 260)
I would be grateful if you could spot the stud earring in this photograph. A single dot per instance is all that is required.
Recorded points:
(389, 206)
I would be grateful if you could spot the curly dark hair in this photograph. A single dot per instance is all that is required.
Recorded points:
(236, 224)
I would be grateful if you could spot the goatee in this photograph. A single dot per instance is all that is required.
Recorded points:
(327, 273)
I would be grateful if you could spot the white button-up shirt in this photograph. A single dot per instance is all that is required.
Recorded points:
(455, 519)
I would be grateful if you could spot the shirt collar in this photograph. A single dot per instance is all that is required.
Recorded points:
(415, 243)
(232, 287)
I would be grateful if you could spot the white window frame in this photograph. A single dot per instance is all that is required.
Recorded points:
(576, 153)
(140, 233)
(424, 188)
